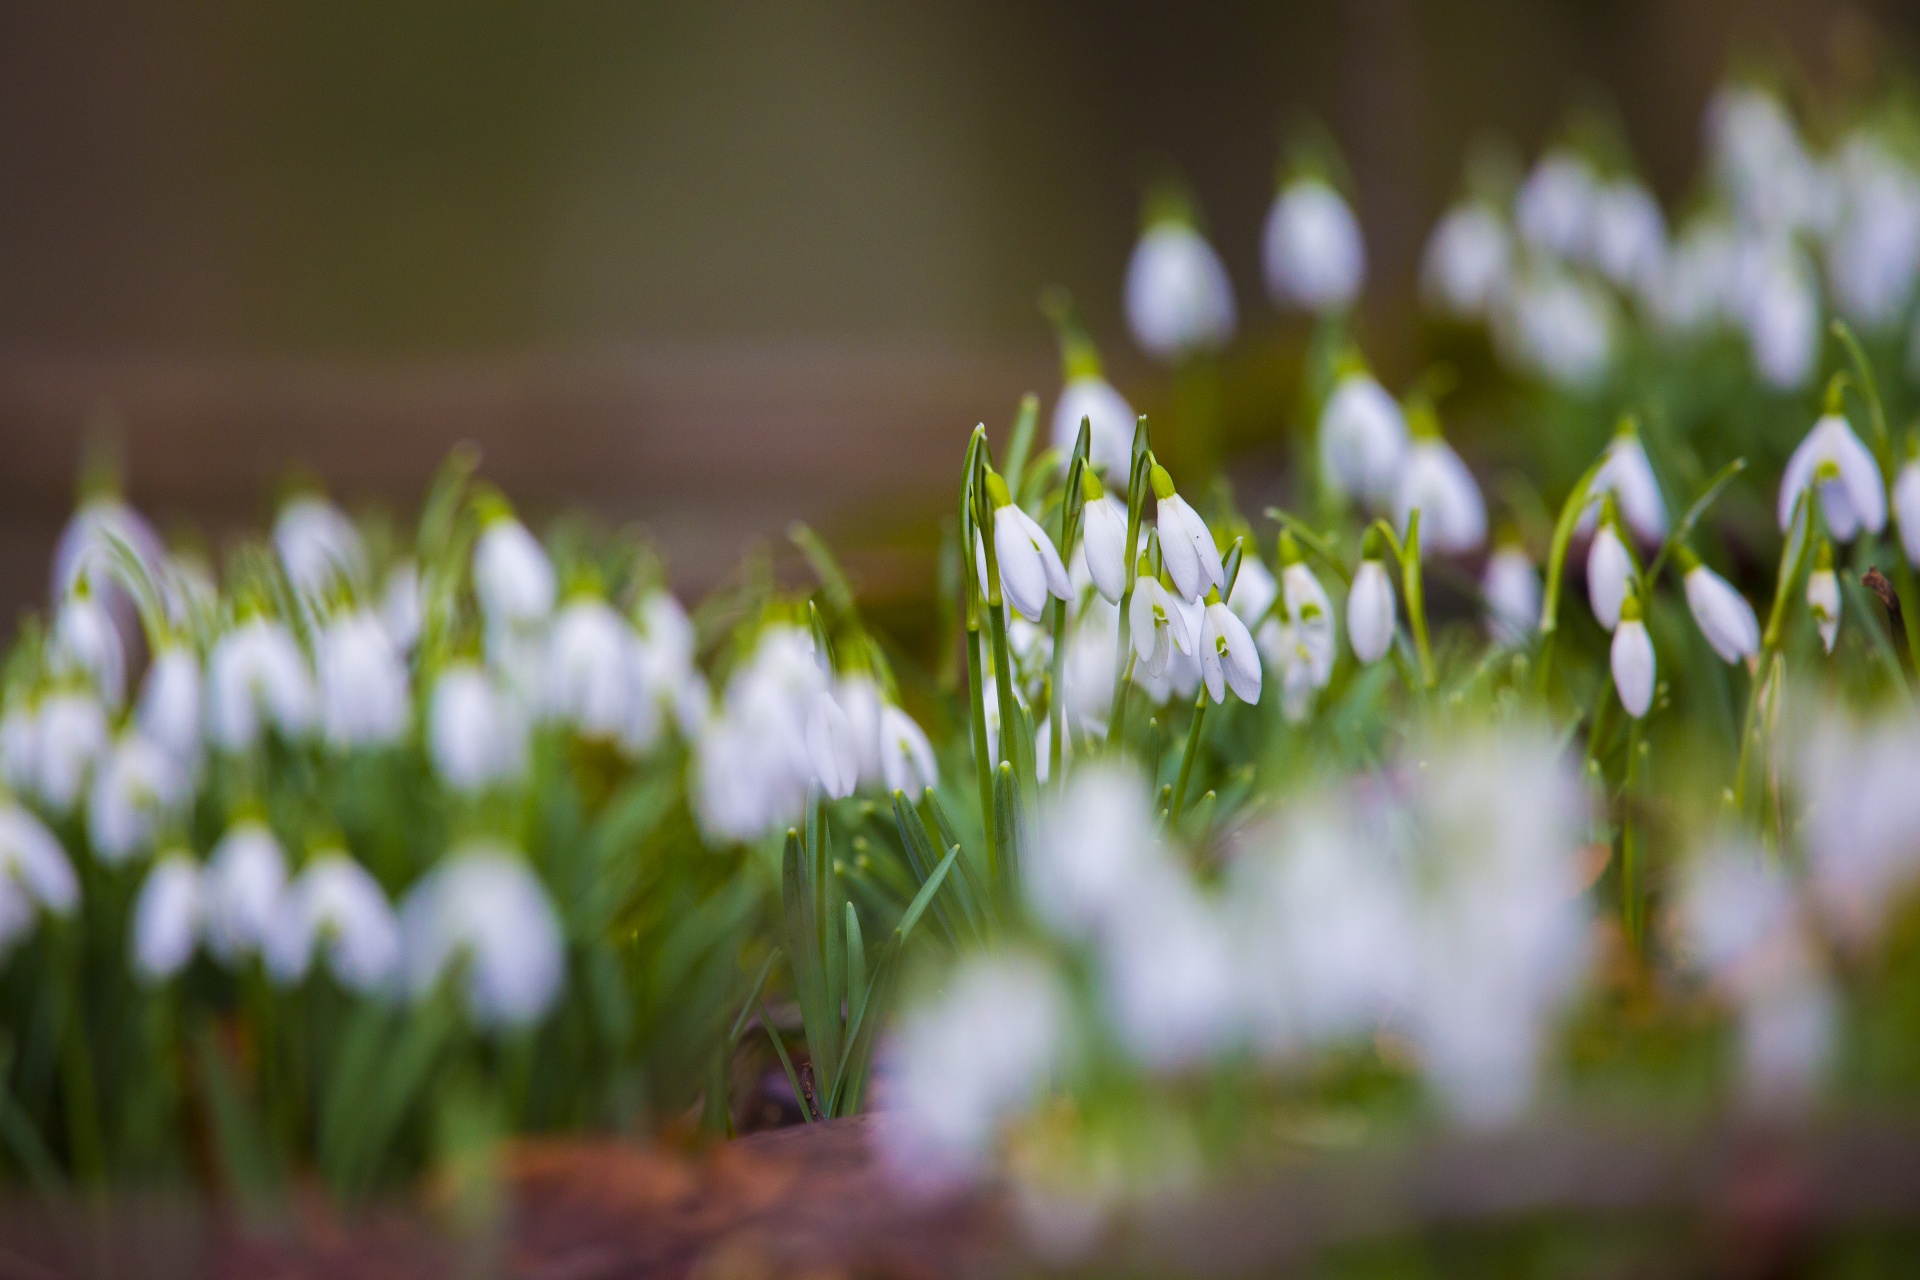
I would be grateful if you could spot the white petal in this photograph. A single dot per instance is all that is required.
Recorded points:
(1106, 546)
(1632, 661)
(1370, 612)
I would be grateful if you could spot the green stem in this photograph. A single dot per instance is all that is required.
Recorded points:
(1186, 760)
(982, 763)
(1410, 581)
(1792, 562)
(1629, 844)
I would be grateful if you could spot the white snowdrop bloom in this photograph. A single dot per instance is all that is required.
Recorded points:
(1111, 419)
(1280, 643)
(1437, 484)
(1311, 248)
(1629, 236)
(86, 546)
(1363, 440)
(1722, 614)
(589, 675)
(1512, 588)
(476, 732)
(751, 764)
(665, 678)
(1167, 971)
(1468, 264)
(168, 713)
(364, 701)
(1627, 474)
(1761, 162)
(1186, 544)
(1862, 817)
(86, 640)
(1104, 521)
(483, 907)
(1632, 660)
(1090, 667)
(1310, 612)
(1823, 596)
(240, 891)
(334, 906)
(400, 605)
(860, 696)
(1700, 286)
(1370, 611)
(1228, 658)
(1177, 294)
(1560, 327)
(1093, 847)
(1554, 209)
(70, 738)
(906, 757)
(166, 918)
(135, 787)
(1158, 624)
(831, 747)
(1030, 565)
(1850, 489)
(969, 1060)
(1906, 508)
(256, 676)
(1873, 258)
(318, 547)
(511, 573)
(1779, 310)
(35, 875)
(1254, 590)
(1610, 574)
(1182, 676)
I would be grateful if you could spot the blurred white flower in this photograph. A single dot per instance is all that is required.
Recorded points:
(511, 573)
(1906, 508)
(664, 675)
(906, 757)
(20, 746)
(256, 675)
(1629, 236)
(1370, 611)
(476, 732)
(1873, 259)
(1700, 286)
(319, 547)
(1104, 519)
(1167, 970)
(136, 786)
(35, 874)
(1512, 587)
(86, 546)
(1554, 208)
(831, 747)
(169, 710)
(1363, 441)
(86, 640)
(590, 669)
(1111, 420)
(240, 891)
(1186, 544)
(400, 607)
(1722, 614)
(1434, 482)
(1254, 590)
(69, 739)
(1610, 574)
(1178, 297)
(751, 765)
(334, 906)
(1314, 256)
(484, 915)
(1862, 817)
(166, 918)
(1851, 493)
(1310, 611)
(1632, 660)
(1779, 308)
(1468, 265)
(1759, 159)
(1092, 848)
(364, 701)
(1560, 327)
(1823, 597)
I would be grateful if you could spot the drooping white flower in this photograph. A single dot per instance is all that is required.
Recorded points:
(318, 546)
(1512, 587)
(1186, 544)
(1823, 595)
(1312, 250)
(335, 907)
(1700, 285)
(484, 909)
(1177, 294)
(1158, 624)
(1906, 509)
(240, 891)
(831, 747)
(363, 682)
(1089, 669)
(1761, 162)
(861, 697)
(1873, 257)
(1030, 565)
(1370, 611)
(1228, 658)
(166, 918)
(1104, 520)
(589, 675)
(751, 765)
(1722, 614)
(1560, 327)
(906, 757)
(1093, 847)
(1110, 417)
(511, 573)
(400, 607)
(86, 639)
(1629, 236)
(1437, 484)
(256, 675)
(1310, 611)
(169, 710)
(136, 786)
(1554, 209)
(1610, 574)
(1862, 818)
(1626, 473)
(664, 675)
(69, 740)
(476, 732)
(1847, 477)
(87, 546)
(35, 875)
(1632, 660)
(1779, 308)
(1468, 264)
(1167, 971)
(1363, 440)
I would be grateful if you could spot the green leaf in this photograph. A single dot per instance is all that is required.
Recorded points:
(856, 966)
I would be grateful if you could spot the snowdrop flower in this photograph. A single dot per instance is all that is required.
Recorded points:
(1512, 587)
(590, 668)
(1090, 668)
(906, 757)
(1873, 258)
(751, 764)
(1760, 159)
(1862, 817)
(969, 1060)
(335, 906)
(1312, 250)
(363, 682)
(1177, 294)
(1167, 972)
(831, 747)
(1632, 659)
(1228, 658)
(1086, 394)
(1554, 209)
(484, 907)
(1629, 235)
(136, 786)
(400, 608)
(1823, 594)
(240, 891)
(1848, 479)
(1906, 508)
(1627, 474)
(1779, 308)
(861, 698)
(1363, 439)
(476, 734)
(318, 546)
(1468, 265)
(1030, 566)
(1370, 611)
(1611, 571)
(86, 639)
(1254, 591)
(166, 918)
(1104, 521)
(257, 675)
(86, 546)
(1722, 614)
(1310, 611)
(1158, 624)
(664, 672)
(511, 573)
(1434, 482)
(35, 875)
(1186, 544)
(70, 738)
(1094, 846)
(169, 710)
(1560, 327)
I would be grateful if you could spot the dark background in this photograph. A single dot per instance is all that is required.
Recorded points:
(710, 266)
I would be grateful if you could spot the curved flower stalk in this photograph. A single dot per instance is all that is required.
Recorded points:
(1311, 248)
(1363, 438)
(484, 915)
(1177, 294)
(1436, 483)
(334, 908)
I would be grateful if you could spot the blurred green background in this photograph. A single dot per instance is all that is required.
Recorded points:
(710, 266)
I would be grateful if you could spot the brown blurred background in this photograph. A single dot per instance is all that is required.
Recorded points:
(709, 266)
